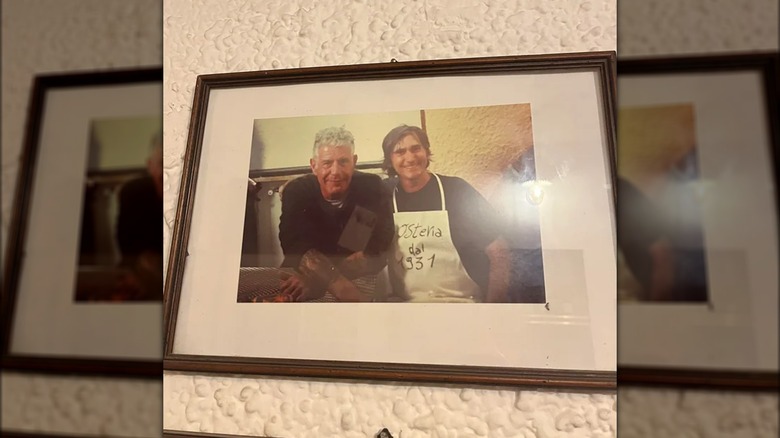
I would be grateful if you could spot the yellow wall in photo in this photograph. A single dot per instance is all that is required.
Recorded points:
(288, 142)
(478, 144)
(651, 140)
(122, 143)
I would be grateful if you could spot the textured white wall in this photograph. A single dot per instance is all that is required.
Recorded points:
(665, 413)
(54, 36)
(209, 36)
(82, 406)
(327, 408)
(671, 27)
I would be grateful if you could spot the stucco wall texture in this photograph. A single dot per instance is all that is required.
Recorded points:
(306, 408)
(207, 37)
(500, 134)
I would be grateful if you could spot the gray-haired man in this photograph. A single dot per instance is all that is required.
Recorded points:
(336, 223)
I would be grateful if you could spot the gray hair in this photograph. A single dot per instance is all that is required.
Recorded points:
(394, 137)
(333, 137)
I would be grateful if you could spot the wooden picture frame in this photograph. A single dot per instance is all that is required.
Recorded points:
(730, 104)
(59, 334)
(575, 91)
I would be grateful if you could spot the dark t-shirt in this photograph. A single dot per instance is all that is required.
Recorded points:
(639, 225)
(473, 221)
(308, 221)
(139, 224)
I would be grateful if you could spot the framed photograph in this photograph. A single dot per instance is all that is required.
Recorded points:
(82, 288)
(698, 209)
(445, 221)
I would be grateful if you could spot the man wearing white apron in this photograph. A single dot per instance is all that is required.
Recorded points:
(446, 247)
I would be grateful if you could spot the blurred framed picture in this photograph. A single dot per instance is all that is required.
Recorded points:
(697, 235)
(82, 287)
(403, 221)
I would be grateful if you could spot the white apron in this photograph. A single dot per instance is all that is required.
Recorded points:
(425, 261)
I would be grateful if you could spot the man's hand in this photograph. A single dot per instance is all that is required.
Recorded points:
(128, 286)
(297, 288)
(321, 272)
(662, 280)
(359, 264)
(316, 267)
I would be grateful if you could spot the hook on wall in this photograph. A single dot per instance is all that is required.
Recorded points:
(384, 433)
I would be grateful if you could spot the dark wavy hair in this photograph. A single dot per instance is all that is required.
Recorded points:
(396, 135)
